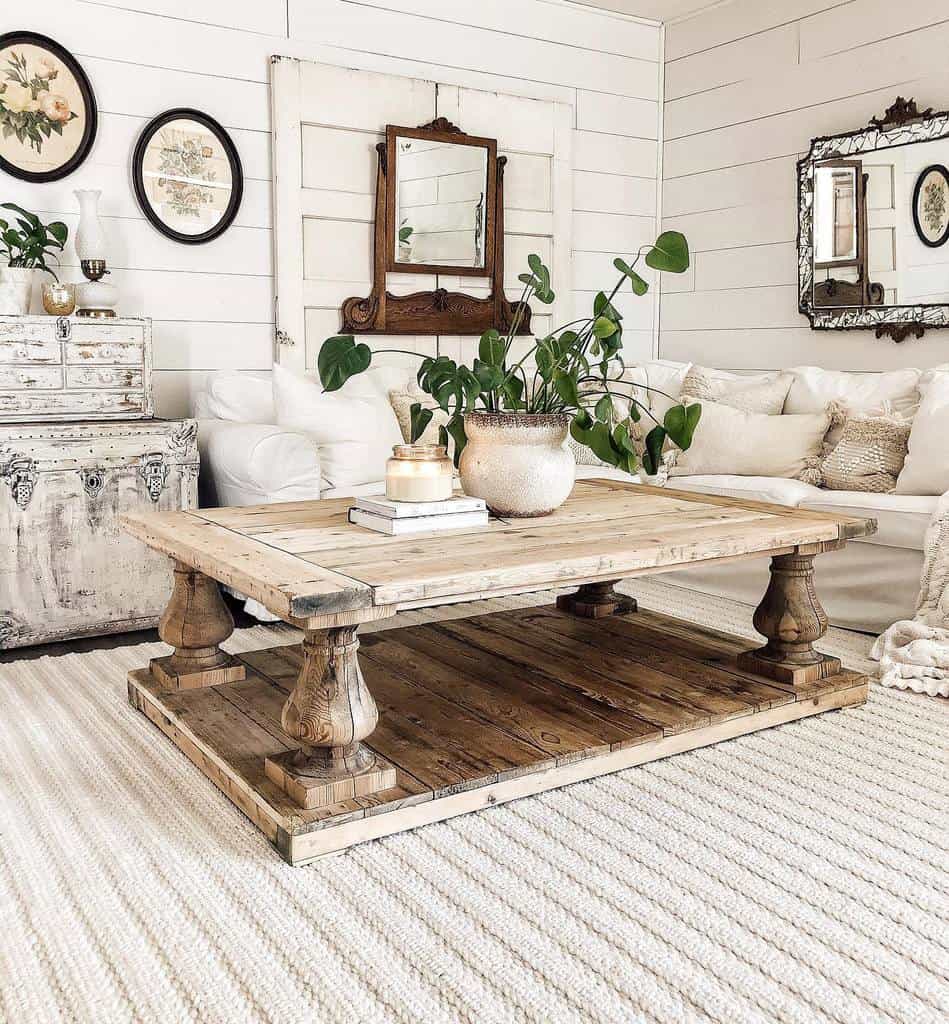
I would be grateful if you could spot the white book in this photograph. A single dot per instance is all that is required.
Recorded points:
(419, 524)
(411, 509)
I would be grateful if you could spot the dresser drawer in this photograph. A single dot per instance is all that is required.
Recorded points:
(29, 350)
(34, 330)
(29, 378)
(102, 376)
(128, 353)
(17, 406)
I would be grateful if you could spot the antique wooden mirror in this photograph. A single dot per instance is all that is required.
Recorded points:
(439, 211)
(873, 222)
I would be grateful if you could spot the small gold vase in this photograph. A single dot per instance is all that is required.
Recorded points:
(59, 299)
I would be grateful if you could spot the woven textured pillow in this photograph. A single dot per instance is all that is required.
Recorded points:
(402, 400)
(868, 456)
(764, 394)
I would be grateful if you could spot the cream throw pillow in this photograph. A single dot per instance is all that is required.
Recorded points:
(402, 400)
(729, 441)
(354, 428)
(765, 394)
(869, 455)
(926, 470)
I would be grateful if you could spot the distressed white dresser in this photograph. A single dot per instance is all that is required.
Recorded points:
(79, 447)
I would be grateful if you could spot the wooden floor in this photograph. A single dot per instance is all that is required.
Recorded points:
(478, 711)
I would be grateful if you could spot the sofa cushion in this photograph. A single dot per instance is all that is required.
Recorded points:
(354, 428)
(257, 463)
(240, 396)
(774, 489)
(926, 470)
(403, 398)
(589, 472)
(753, 444)
(665, 378)
(868, 456)
(868, 393)
(901, 518)
(760, 393)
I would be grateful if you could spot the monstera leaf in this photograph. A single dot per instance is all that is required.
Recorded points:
(420, 419)
(341, 358)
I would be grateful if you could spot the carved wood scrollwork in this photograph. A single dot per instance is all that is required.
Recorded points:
(439, 311)
(900, 112)
(900, 332)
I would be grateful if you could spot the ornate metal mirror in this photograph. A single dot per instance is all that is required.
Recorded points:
(439, 210)
(873, 222)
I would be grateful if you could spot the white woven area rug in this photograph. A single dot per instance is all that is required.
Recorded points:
(797, 874)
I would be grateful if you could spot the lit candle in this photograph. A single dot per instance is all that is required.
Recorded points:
(419, 472)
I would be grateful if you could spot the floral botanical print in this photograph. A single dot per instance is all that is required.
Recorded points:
(186, 176)
(934, 205)
(47, 108)
(931, 206)
(186, 168)
(31, 108)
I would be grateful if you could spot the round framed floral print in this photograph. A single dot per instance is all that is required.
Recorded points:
(931, 206)
(187, 176)
(47, 108)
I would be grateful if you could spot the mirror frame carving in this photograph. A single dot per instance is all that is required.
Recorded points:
(901, 125)
(439, 311)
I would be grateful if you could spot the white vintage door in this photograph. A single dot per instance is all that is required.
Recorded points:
(327, 121)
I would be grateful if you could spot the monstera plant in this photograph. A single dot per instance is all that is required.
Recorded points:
(576, 370)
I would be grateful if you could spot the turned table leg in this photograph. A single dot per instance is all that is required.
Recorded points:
(791, 617)
(594, 600)
(195, 622)
(330, 711)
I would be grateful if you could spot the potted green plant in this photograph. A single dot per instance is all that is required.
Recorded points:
(509, 419)
(24, 249)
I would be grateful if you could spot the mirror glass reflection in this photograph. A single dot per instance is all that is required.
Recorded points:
(835, 214)
(905, 202)
(440, 203)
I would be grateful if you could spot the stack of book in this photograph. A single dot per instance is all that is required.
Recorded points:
(398, 518)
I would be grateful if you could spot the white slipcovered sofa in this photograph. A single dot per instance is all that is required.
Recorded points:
(247, 458)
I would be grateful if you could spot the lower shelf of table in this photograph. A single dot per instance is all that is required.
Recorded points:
(475, 712)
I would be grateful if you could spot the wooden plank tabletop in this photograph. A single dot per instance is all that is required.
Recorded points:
(304, 559)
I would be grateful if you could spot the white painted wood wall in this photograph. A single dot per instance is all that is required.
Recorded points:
(212, 304)
(747, 85)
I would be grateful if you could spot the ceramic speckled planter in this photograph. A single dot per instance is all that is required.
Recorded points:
(518, 463)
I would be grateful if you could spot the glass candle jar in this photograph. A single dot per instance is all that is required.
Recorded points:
(419, 472)
(59, 298)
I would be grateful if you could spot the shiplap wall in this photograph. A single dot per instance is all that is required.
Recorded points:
(747, 85)
(212, 304)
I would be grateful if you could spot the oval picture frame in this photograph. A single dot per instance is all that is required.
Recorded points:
(229, 151)
(53, 117)
(941, 239)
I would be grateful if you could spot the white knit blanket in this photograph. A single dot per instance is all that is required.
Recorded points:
(914, 653)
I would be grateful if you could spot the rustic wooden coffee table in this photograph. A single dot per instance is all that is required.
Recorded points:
(473, 711)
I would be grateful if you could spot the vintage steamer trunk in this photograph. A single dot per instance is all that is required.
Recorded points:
(77, 450)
